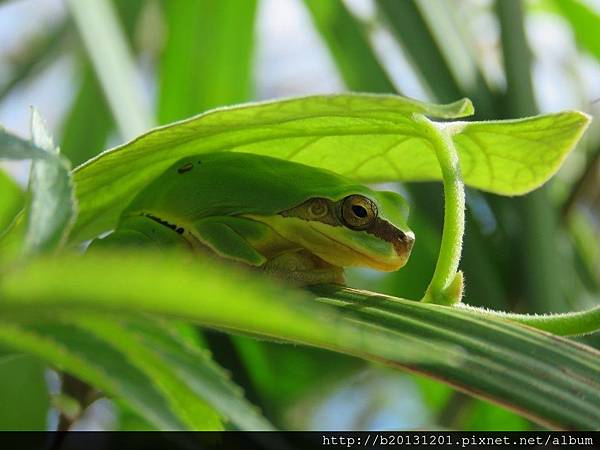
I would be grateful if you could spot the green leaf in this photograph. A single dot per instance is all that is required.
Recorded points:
(207, 57)
(108, 49)
(51, 209)
(191, 409)
(204, 377)
(164, 378)
(550, 380)
(24, 393)
(584, 22)
(546, 378)
(79, 352)
(380, 139)
(513, 157)
(347, 40)
(198, 390)
(12, 200)
(195, 291)
(306, 129)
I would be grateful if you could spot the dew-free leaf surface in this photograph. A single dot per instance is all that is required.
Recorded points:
(50, 208)
(550, 379)
(367, 137)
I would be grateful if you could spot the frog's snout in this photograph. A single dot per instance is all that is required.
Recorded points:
(408, 240)
(403, 246)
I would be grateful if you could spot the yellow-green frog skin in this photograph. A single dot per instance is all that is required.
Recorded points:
(290, 220)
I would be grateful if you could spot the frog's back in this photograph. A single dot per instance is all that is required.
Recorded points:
(237, 183)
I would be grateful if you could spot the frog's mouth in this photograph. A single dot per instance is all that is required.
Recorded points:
(363, 256)
(401, 241)
(382, 247)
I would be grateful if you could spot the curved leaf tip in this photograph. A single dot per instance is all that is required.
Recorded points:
(460, 108)
(514, 157)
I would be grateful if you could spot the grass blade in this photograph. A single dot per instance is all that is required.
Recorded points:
(349, 47)
(207, 58)
(107, 47)
(549, 379)
(558, 387)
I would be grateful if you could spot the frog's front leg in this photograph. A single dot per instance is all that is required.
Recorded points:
(303, 268)
(230, 237)
(236, 239)
(255, 243)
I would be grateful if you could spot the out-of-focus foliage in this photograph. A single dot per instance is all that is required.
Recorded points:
(24, 392)
(12, 200)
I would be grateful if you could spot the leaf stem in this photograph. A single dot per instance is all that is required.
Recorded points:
(562, 324)
(445, 287)
(575, 323)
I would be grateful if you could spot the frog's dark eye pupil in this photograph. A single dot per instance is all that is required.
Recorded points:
(359, 211)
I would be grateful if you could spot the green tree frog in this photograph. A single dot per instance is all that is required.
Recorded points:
(287, 219)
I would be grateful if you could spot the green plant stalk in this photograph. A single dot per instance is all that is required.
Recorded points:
(563, 324)
(445, 287)
(576, 323)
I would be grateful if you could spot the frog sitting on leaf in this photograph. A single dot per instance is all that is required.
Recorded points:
(287, 219)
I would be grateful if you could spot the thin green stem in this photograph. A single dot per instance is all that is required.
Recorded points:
(563, 324)
(574, 323)
(445, 287)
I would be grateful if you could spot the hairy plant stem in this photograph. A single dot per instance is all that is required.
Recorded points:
(574, 323)
(445, 287)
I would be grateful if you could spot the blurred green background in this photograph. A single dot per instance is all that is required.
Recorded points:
(538, 253)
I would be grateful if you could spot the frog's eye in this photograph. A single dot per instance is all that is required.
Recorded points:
(358, 212)
(318, 208)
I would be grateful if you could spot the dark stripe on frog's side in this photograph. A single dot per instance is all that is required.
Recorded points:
(172, 226)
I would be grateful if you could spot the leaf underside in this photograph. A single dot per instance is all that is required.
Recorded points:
(367, 137)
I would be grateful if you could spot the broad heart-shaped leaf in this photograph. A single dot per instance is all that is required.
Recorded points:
(549, 379)
(367, 137)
